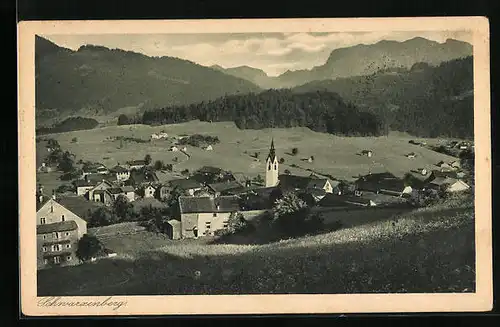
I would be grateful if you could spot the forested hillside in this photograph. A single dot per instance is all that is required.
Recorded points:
(423, 100)
(320, 111)
(102, 80)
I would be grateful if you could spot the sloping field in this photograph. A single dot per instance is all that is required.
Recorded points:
(427, 250)
(333, 155)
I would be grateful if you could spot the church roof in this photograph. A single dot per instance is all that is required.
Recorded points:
(272, 153)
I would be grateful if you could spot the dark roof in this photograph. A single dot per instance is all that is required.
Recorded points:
(224, 186)
(96, 178)
(396, 185)
(119, 169)
(193, 204)
(437, 173)
(332, 200)
(140, 177)
(294, 182)
(210, 170)
(100, 191)
(82, 182)
(272, 153)
(56, 227)
(184, 183)
(137, 162)
(128, 188)
(114, 190)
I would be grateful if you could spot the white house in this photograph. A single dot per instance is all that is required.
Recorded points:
(149, 191)
(122, 173)
(209, 148)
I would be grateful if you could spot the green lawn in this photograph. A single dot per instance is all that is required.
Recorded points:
(426, 250)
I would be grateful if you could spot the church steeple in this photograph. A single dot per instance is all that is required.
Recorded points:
(272, 152)
(272, 168)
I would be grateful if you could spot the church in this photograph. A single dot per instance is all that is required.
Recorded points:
(294, 182)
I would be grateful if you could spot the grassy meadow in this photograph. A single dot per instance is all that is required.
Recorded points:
(333, 155)
(426, 250)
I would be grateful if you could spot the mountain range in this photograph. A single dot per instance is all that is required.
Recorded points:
(101, 80)
(361, 60)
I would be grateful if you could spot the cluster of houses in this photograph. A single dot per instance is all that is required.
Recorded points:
(209, 197)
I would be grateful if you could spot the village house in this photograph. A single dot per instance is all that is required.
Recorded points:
(455, 164)
(58, 232)
(209, 148)
(122, 174)
(209, 174)
(173, 148)
(296, 183)
(96, 178)
(368, 153)
(136, 164)
(127, 191)
(143, 177)
(98, 194)
(343, 201)
(83, 186)
(448, 184)
(411, 155)
(187, 185)
(385, 183)
(217, 189)
(422, 171)
(202, 216)
(173, 229)
(149, 190)
(444, 166)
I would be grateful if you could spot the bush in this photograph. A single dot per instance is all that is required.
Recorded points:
(123, 120)
(88, 246)
(74, 140)
(65, 188)
(295, 151)
(102, 217)
(185, 172)
(159, 165)
(282, 160)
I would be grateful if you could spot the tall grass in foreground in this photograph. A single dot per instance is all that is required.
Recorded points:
(427, 250)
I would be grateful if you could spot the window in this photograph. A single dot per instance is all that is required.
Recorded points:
(44, 236)
(57, 260)
(42, 221)
(207, 225)
(62, 218)
(66, 234)
(215, 214)
(224, 225)
(56, 235)
(56, 247)
(68, 246)
(45, 261)
(275, 167)
(68, 258)
(44, 249)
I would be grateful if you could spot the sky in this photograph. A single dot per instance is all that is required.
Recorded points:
(274, 53)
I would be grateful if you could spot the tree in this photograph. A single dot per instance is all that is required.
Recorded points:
(122, 208)
(88, 246)
(169, 167)
(159, 165)
(102, 216)
(173, 202)
(236, 223)
(290, 213)
(123, 120)
(66, 162)
(147, 159)
(295, 151)
(287, 171)
(282, 160)
(74, 140)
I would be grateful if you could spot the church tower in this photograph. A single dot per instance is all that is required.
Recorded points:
(272, 168)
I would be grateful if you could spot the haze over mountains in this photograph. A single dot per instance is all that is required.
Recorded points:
(361, 60)
(396, 81)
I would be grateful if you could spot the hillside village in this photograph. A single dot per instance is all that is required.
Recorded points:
(205, 202)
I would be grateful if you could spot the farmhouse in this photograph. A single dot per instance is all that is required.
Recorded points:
(149, 190)
(455, 164)
(142, 177)
(201, 216)
(96, 178)
(126, 191)
(101, 195)
(368, 153)
(448, 184)
(217, 189)
(411, 155)
(82, 186)
(209, 148)
(443, 165)
(121, 173)
(58, 231)
(187, 185)
(173, 229)
(136, 164)
(385, 183)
